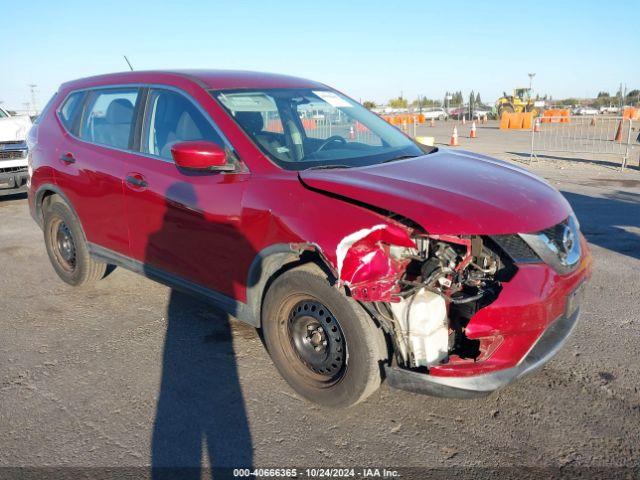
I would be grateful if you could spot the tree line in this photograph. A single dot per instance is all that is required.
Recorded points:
(454, 99)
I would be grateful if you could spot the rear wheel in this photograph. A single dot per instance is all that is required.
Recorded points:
(66, 247)
(322, 342)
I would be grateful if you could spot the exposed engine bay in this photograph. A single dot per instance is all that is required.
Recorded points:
(423, 289)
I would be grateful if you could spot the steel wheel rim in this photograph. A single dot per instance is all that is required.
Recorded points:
(317, 339)
(63, 245)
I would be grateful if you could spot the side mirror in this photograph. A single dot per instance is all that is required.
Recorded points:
(200, 155)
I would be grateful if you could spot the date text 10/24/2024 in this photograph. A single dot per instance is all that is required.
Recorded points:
(316, 472)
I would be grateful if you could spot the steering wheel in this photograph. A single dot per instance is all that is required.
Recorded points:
(331, 139)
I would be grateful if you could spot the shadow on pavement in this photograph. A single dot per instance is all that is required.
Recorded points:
(8, 195)
(600, 161)
(607, 222)
(200, 406)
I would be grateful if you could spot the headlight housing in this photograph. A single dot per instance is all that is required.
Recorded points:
(557, 246)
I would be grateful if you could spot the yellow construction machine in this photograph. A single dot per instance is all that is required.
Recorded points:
(520, 101)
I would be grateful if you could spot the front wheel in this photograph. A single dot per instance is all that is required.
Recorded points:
(67, 248)
(322, 342)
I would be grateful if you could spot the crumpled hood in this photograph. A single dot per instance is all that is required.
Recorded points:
(450, 192)
(14, 128)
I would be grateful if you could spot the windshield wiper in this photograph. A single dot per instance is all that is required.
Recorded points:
(326, 167)
(401, 157)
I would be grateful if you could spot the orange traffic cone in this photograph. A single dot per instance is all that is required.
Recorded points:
(454, 137)
(619, 132)
(432, 122)
(473, 131)
(536, 125)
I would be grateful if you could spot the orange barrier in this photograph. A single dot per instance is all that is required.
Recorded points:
(519, 121)
(404, 118)
(309, 123)
(559, 116)
(274, 126)
(361, 128)
(527, 121)
(515, 121)
(631, 113)
(504, 121)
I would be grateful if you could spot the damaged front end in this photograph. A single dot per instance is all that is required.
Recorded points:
(423, 289)
(467, 314)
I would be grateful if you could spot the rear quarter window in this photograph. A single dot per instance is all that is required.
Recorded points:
(69, 110)
(45, 110)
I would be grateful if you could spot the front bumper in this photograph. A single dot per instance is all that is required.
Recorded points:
(15, 177)
(549, 343)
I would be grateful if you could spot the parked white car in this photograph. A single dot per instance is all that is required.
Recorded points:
(481, 112)
(13, 149)
(435, 113)
(587, 111)
(610, 109)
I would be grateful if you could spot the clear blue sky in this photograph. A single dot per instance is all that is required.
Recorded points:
(368, 49)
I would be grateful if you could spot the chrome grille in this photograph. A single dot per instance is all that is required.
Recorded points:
(12, 169)
(12, 154)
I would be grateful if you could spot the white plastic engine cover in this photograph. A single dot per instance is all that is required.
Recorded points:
(425, 328)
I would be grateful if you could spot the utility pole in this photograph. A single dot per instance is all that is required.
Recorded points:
(620, 102)
(34, 103)
(531, 75)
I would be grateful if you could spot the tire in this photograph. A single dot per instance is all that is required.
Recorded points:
(505, 108)
(347, 368)
(67, 247)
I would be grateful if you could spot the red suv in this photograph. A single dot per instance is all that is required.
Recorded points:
(361, 254)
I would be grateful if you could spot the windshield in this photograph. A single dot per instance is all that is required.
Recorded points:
(303, 128)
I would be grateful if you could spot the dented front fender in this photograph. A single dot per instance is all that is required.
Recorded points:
(367, 265)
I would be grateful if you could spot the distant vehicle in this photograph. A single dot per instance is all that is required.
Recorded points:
(457, 113)
(610, 109)
(481, 112)
(587, 111)
(520, 101)
(13, 150)
(435, 113)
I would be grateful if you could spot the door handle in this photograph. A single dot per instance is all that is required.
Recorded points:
(68, 158)
(136, 181)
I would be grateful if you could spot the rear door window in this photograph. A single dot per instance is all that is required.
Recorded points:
(170, 118)
(109, 117)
